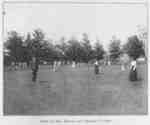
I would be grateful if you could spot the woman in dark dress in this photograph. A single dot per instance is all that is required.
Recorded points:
(96, 67)
(133, 71)
(34, 67)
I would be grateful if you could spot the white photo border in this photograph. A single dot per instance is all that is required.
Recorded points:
(45, 120)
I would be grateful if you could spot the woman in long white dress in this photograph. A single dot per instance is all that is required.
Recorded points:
(133, 71)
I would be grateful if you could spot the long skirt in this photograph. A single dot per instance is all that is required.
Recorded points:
(133, 75)
(96, 67)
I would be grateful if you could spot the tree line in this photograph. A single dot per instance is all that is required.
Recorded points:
(23, 48)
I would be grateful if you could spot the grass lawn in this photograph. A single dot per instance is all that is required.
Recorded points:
(75, 91)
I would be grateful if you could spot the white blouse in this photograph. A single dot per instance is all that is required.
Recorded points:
(96, 63)
(133, 64)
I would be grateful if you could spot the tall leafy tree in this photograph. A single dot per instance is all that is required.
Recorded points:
(73, 51)
(134, 47)
(27, 49)
(37, 42)
(87, 48)
(143, 36)
(62, 48)
(99, 51)
(14, 45)
(114, 49)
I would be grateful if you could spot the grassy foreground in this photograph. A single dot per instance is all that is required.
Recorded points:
(75, 91)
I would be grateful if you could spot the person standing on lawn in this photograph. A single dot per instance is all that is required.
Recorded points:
(34, 67)
(96, 67)
(133, 71)
(55, 66)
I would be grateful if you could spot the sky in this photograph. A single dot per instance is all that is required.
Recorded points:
(57, 20)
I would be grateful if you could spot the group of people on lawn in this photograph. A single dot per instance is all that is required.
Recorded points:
(133, 69)
(97, 69)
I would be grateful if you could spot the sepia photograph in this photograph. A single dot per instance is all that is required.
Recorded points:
(75, 58)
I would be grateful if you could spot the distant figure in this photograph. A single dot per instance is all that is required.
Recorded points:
(12, 65)
(100, 67)
(51, 65)
(34, 67)
(109, 63)
(24, 65)
(16, 66)
(73, 64)
(20, 65)
(133, 71)
(122, 67)
(96, 67)
(59, 63)
(54, 66)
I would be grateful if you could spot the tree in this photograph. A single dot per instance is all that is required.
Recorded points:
(74, 50)
(28, 42)
(27, 49)
(14, 45)
(44, 51)
(99, 51)
(37, 42)
(134, 47)
(143, 36)
(87, 48)
(114, 49)
(62, 49)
